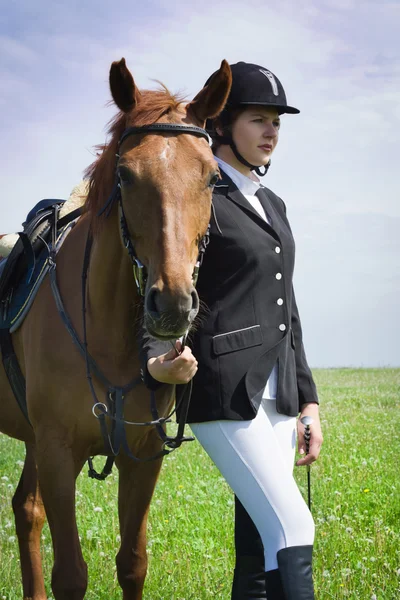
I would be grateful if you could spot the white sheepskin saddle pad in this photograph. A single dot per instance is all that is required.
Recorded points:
(76, 199)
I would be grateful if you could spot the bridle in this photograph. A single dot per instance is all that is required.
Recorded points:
(113, 406)
(139, 270)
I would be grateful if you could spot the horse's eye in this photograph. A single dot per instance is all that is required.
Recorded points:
(214, 179)
(125, 175)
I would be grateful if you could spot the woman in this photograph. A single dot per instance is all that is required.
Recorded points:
(251, 374)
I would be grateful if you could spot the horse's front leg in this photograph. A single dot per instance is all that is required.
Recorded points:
(136, 486)
(29, 519)
(58, 469)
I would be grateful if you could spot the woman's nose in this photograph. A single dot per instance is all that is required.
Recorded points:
(270, 131)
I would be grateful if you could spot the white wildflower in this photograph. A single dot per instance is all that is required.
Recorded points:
(98, 509)
(326, 573)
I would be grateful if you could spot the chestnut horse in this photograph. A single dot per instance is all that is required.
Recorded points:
(166, 180)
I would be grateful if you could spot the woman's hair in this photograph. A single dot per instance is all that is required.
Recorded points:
(224, 122)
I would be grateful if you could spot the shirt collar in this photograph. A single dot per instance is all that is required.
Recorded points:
(247, 186)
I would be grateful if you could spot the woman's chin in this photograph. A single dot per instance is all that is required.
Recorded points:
(261, 159)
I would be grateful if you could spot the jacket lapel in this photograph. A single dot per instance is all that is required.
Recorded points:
(228, 188)
(270, 209)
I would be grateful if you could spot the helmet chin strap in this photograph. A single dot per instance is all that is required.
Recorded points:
(228, 139)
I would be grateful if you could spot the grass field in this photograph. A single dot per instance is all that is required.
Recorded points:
(356, 507)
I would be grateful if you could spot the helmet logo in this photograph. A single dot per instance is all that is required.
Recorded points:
(271, 79)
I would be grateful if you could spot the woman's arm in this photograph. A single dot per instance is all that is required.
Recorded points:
(305, 382)
(308, 398)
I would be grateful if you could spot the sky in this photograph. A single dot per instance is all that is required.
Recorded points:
(336, 164)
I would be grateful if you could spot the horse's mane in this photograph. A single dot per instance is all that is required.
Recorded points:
(151, 106)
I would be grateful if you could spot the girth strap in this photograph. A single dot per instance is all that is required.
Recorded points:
(13, 371)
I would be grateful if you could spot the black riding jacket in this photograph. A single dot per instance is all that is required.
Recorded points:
(252, 320)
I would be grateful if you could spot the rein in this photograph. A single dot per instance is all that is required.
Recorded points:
(113, 406)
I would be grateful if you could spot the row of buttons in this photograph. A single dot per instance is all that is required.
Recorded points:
(278, 276)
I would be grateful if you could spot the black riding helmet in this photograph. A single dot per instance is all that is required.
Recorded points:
(251, 84)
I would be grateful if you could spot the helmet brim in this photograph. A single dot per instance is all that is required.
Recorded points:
(281, 108)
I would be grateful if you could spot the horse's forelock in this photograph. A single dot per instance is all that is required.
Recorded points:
(151, 106)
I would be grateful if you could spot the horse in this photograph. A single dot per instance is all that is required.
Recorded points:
(159, 161)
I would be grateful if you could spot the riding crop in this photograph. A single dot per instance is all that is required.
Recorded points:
(306, 421)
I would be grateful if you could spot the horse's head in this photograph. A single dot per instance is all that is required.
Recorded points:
(166, 180)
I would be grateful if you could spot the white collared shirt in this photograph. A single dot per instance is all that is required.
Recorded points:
(249, 187)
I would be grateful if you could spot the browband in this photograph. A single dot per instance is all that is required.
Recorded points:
(165, 127)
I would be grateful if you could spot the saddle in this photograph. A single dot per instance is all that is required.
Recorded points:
(21, 275)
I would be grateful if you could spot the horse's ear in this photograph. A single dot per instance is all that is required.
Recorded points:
(122, 86)
(210, 101)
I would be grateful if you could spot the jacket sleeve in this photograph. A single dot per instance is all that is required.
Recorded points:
(149, 347)
(305, 382)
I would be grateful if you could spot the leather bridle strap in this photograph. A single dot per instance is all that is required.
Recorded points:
(164, 128)
(115, 439)
(139, 270)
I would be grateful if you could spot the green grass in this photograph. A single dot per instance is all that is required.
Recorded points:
(356, 507)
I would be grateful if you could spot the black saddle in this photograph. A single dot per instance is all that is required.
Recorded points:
(38, 238)
(41, 221)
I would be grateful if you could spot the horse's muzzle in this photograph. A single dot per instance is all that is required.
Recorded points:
(169, 316)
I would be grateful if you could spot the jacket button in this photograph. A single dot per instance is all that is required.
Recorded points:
(282, 327)
(277, 249)
(279, 301)
(278, 276)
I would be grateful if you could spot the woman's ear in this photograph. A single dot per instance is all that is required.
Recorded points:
(218, 127)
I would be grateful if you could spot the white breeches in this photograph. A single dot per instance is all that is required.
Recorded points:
(256, 459)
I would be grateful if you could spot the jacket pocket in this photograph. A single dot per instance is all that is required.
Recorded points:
(293, 342)
(237, 340)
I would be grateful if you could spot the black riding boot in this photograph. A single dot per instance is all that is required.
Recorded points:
(273, 585)
(296, 573)
(249, 578)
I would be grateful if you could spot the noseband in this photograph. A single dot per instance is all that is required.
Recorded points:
(139, 270)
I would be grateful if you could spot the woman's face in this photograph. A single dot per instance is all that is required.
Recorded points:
(255, 133)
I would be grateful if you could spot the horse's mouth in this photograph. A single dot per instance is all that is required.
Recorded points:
(169, 327)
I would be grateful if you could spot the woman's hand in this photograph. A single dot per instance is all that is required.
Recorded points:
(172, 367)
(316, 439)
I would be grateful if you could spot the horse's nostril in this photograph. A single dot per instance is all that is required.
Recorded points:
(151, 304)
(195, 300)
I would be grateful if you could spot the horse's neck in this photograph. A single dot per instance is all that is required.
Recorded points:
(112, 296)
